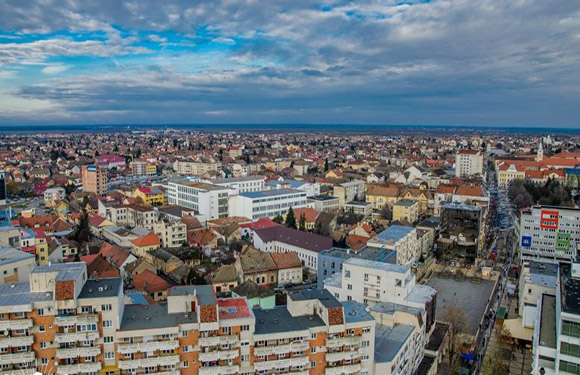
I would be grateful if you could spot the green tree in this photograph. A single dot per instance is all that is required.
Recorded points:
(326, 166)
(278, 219)
(302, 222)
(82, 232)
(290, 219)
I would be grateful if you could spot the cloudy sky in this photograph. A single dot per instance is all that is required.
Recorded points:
(471, 62)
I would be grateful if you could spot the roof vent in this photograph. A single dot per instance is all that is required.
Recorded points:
(12, 285)
(90, 290)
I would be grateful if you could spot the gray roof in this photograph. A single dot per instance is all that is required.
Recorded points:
(392, 234)
(278, 320)
(271, 193)
(16, 294)
(421, 294)
(355, 312)
(236, 179)
(10, 255)
(305, 240)
(205, 293)
(136, 317)
(389, 340)
(406, 203)
(377, 265)
(101, 288)
(390, 308)
(66, 271)
(323, 295)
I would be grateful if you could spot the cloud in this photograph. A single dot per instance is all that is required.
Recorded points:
(441, 61)
(55, 69)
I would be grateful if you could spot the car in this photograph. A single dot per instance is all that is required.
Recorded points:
(279, 288)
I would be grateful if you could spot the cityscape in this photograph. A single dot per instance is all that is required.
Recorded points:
(314, 187)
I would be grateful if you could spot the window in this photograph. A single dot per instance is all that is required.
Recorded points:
(312, 364)
(40, 312)
(349, 286)
(106, 307)
(570, 349)
(185, 364)
(572, 368)
(43, 345)
(108, 339)
(365, 343)
(183, 333)
(313, 336)
(244, 343)
(185, 348)
(41, 329)
(570, 328)
(44, 361)
(245, 328)
(107, 323)
(109, 355)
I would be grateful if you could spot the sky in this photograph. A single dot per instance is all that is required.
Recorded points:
(438, 62)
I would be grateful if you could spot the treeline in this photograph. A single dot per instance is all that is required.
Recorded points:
(523, 193)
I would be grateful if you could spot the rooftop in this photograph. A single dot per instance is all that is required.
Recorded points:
(278, 320)
(388, 267)
(323, 198)
(295, 237)
(10, 255)
(406, 203)
(234, 308)
(548, 321)
(437, 337)
(137, 317)
(101, 288)
(66, 271)
(355, 312)
(392, 234)
(322, 295)
(389, 340)
(17, 294)
(271, 193)
(218, 181)
(205, 293)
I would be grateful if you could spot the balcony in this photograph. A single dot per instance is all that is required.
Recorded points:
(173, 372)
(28, 371)
(12, 342)
(343, 341)
(89, 351)
(343, 370)
(15, 324)
(69, 320)
(75, 336)
(280, 349)
(12, 358)
(170, 360)
(82, 368)
(280, 364)
(217, 355)
(147, 347)
(219, 370)
(341, 356)
(219, 340)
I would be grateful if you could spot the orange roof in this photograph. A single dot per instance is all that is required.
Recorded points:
(149, 282)
(309, 213)
(356, 242)
(445, 189)
(534, 174)
(147, 240)
(470, 190)
(286, 260)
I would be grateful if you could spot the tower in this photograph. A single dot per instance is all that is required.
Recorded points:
(540, 152)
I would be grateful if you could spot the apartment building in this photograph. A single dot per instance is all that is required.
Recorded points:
(267, 203)
(151, 196)
(468, 163)
(241, 184)
(208, 200)
(406, 210)
(53, 195)
(549, 233)
(556, 338)
(536, 279)
(94, 179)
(171, 233)
(196, 167)
(280, 239)
(349, 191)
(142, 168)
(324, 203)
(132, 215)
(400, 239)
(15, 265)
(311, 189)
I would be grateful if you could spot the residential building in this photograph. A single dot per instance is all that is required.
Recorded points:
(400, 239)
(15, 265)
(208, 200)
(151, 196)
(197, 167)
(549, 233)
(347, 192)
(53, 195)
(94, 179)
(110, 161)
(468, 163)
(279, 239)
(171, 233)
(536, 278)
(311, 189)
(267, 203)
(142, 168)
(406, 210)
(360, 208)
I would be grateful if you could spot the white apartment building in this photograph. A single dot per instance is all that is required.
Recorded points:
(131, 215)
(208, 200)
(349, 191)
(53, 195)
(267, 203)
(171, 233)
(196, 167)
(240, 184)
(549, 233)
(401, 239)
(536, 279)
(468, 163)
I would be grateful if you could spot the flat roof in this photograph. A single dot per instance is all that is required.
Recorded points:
(66, 271)
(390, 340)
(234, 308)
(235, 179)
(205, 293)
(322, 295)
(437, 337)
(392, 234)
(10, 255)
(548, 321)
(137, 317)
(271, 193)
(355, 312)
(16, 294)
(101, 288)
(406, 203)
(323, 198)
(278, 320)
(377, 265)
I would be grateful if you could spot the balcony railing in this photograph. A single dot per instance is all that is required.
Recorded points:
(343, 341)
(89, 351)
(12, 342)
(341, 356)
(62, 320)
(82, 368)
(75, 336)
(219, 370)
(218, 340)
(27, 371)
(280, 349)
(8, 359)
(217, 355)
(343, 370)
(280, 364)
(170, 360)
(148, 347)
(15, 324)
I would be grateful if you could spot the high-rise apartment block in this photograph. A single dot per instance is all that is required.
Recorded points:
(468, 163)
(94, 179)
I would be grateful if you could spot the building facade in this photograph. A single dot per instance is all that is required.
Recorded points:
(468, 163)
(94, 179)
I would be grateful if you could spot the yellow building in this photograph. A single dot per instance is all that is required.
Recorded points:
(406, 210)
(509, 173)
(380, 196)
(152, 196)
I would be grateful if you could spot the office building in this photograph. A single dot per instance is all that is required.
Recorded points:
(324, 203)
(549, 233)
(209, 201)
(267, 203)
(94, 179)
(241, 184)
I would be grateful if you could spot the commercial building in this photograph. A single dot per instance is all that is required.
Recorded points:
(549, 233)
(241, 184)
(468, 163)
(208, 200)
(360, 208)
(311, 189)
(267, 203)
(400, 239)
(94, 179)
(324, 203)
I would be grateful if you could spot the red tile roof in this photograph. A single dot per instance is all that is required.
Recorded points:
(287, 260)
(150, 282)
(147, 240)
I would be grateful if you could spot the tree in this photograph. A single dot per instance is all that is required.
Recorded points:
(278, 219)
(302, 222)
(290, 219)
(69, 188)
(387, 212)
(326, 166)
(495, 363)
(82, 232)
(12, 188)
(459, 324)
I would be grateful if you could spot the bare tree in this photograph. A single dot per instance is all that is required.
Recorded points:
(495, 363)
(459, 325)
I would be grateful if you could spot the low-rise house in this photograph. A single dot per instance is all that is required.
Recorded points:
(289, 267)
(223, 279)
(151, 284)
(257, 266)
(258, 296)
(142, 245)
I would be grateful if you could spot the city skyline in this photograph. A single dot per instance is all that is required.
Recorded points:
(453, 63)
